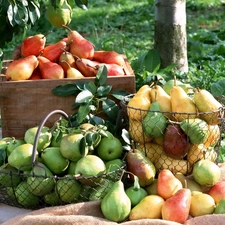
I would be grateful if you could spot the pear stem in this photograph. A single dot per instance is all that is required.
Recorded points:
(175, 80)
(67, 28)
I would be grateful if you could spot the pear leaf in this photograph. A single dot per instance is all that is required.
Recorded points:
(110, 108)
(90, 86)
(33, 12)
(101, 76)
(83, 111)
(66, 90)
(152, 61)
(126, 136)
(218, 88)
(120, 94)
(104, 90)
(84, 97)
(82, 4)
(83, 147)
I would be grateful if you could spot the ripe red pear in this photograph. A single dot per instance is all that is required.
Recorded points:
(217, 191)
(113, 69)
(33, 45)
(36, 75)
(80, 46)
(167, 184)
(87, 67)
(53, 51)
(177, 207)
(109, 57)
(49, 69)
(22, 69)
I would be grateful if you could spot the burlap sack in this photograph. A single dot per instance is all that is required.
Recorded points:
(90, 213)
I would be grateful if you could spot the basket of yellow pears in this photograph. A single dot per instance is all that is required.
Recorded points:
(174, 128)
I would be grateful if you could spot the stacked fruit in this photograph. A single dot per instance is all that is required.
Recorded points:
(175, 129)
(71, 57)
(68, 165)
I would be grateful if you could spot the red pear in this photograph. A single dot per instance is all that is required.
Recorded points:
(109, 57)
(65, 59)
(80, 46)
(53, 51)
(33, 45)
(217, 191)
(21, 69)
(87, 67)
(36, 75)
(49, 69)
(167, 184)
(177, 207)
(113, 69)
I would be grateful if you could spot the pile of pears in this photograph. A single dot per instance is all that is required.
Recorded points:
(175, 125)
(62, 166)
(73, 56)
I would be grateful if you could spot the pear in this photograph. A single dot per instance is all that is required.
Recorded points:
(68, 189)
(33, 45)
(44, 139)
(154, 123)
(79, 46)
(182, 105)
(177, 207)
(213, 136)
(53, 159)
(22, 69)
(170, 83)
(9, 176)
(25, 197)
(196, 129)
(87, 67)
(141, 166)
(207, 105)
(49, 69)
(36, 75)
(13, 144)
(70, 146)
(21, 157)
(109, 57)
(113, 69)
(53, 51)
(139, 104)
(59, 15)
(72, 72)
(220, 207)
(116, 205)
(67, 58)
(152, 188)
(89, 170)
(71, 168)
(175, 141)
(163, 100)
(167, 184)
(148, 208)
(41, 181)
(52, 198)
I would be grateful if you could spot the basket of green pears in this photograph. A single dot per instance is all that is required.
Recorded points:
(174, 128)
(59, 165)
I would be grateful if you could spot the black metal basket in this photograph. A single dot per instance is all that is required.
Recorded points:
(52, 190)
(174, 149)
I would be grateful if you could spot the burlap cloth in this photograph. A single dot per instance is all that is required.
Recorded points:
(90, 213)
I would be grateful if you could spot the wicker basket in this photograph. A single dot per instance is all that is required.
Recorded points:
(179, 152)
(65, 189)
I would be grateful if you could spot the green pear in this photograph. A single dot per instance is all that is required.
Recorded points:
(52, 198)
(25, 197)
(41, 181)
(154, 123)
(85, 192)
(70, 146)
(71, 168)
(3, 151)
(68, 189)
(59, 15)
(114, 168)
(89, 169)
(220, 207)
(21, 157)
(170, 83)
(116, 205)
(9, 176)
(13, 144)
(53, 159)
(44, 139)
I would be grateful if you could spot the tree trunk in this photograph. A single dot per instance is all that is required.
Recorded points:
(170, 33)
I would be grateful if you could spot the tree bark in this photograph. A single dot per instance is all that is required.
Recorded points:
(170, 33)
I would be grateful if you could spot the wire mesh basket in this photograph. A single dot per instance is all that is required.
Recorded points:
(172, 140)
(28, 189)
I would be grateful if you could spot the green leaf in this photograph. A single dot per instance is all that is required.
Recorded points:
(83, 147)
(136, 183)
(34, 12)
(126, 137)
(90, 86)
(104, 90)
(218, 88)
(82, 113)
(82, 4)
(101, 76)
(84, 97)
(120, 94)
(3, 155)
(66, 90)
(152, 61)
(110, 108)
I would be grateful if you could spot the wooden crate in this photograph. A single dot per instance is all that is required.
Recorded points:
(24, 104)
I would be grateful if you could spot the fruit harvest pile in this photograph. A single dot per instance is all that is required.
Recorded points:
(71, 57)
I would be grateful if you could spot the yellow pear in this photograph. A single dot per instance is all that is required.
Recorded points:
(148, 208)
(182, 105)
(207, 105)
(213, 136)
(136, 132)
(164, 100)
(137, 107)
